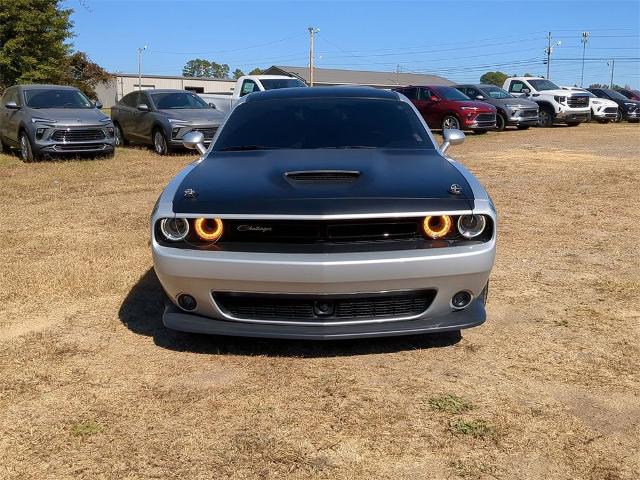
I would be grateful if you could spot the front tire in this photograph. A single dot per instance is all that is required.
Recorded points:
(619, 115)
(121, 141)
(501, 122)
(26, 150)
(450, 121)
(545, 119)
(159, 142)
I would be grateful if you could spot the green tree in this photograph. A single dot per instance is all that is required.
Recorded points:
(198, 68)
(237, 73)
(85, 74)
(219, 70)
(256, 71)
(33, 41)
(494, 78)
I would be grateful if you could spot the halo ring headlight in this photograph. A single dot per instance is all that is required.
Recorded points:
(208, 229)
(470, 226)
(174, 229)
(436, 226)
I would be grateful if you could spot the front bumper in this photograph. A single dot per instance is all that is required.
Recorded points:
(446, 271)
(517, 118)
(177, 132)
(632, 115)
(569, 116)
(61, 139)
(482, 121)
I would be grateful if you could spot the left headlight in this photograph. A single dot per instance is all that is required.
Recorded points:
(471, 226)
(42, 120)
(174, 229)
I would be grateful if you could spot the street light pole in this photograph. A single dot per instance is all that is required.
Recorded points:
(613, 66)
(140, 50)
(584, 39)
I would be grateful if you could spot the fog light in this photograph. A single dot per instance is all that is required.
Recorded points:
(187, 302)
(110, 131)
(39, 133)
(461, 299)
(174, 132)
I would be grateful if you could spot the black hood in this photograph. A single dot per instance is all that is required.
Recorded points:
(377, 181)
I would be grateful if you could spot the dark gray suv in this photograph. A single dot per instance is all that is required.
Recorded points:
(515, 111)
(53, 119)
(162, 117)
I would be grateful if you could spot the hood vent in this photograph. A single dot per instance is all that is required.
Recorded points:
(323, 176)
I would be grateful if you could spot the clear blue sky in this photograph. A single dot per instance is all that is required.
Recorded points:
(459, 40)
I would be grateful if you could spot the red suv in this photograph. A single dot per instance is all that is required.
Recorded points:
(630, 94)
(446, 107)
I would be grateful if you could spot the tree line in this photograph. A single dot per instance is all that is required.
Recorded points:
(498, 78)
(35, 48)
(199, 67)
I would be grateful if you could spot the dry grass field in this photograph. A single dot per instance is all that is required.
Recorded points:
(92, 386)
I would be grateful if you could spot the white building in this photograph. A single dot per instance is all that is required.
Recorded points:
(124, 83)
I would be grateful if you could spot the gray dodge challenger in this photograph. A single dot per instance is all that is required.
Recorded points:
(53, 119)
(324, 213)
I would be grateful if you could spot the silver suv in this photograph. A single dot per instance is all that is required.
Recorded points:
(53, 119)
(163, 117)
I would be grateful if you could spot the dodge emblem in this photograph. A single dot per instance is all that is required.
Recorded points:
(190, 193)
(455, 189)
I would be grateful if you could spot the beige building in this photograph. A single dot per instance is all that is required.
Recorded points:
(124, 83)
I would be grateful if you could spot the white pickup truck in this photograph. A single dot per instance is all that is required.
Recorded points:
(556, 105)
(249, 84)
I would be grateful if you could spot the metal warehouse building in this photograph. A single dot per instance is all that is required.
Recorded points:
(124, 83)
(331, 77)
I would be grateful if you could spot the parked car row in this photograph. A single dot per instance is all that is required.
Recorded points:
(52, 119)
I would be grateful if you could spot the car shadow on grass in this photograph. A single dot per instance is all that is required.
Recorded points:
(141, 311)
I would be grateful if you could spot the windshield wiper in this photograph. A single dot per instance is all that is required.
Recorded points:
(238, 148)
(348, 146)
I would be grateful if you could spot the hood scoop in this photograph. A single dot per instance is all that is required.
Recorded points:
(322, 176)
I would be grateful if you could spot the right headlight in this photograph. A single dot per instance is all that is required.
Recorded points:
(470, 226)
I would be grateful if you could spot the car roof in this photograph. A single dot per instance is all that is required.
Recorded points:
(166, 90)
(41, 86)
(322, 92)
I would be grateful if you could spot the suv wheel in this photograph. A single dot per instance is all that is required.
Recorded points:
(119, 136)
(545, 119)
(501, 122)
(26, 151)
(450, 121)
(618, 118)
(159, 142)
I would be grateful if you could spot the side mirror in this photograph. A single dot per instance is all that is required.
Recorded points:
(452, 136)
(12, 105)
(98, 104)
(479, 97)
(526, 91)
(434, 98)
(143, 107)
(194, 141)
(212, 105)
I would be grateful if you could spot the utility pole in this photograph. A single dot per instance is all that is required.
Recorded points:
(548, 52)
(312, 32)
(613, 66)
(584, 39)
(397, 75)
(140, 50)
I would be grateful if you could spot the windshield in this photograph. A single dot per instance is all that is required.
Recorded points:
(178, 100)
(541, 85)
(616, 95)
(307, 123)
(496, 92)
(273, 83)
(450, 93)
(63, 98)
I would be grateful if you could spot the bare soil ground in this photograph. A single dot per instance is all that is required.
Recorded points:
(93, 386)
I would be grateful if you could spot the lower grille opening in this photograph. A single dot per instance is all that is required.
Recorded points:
(324, 307)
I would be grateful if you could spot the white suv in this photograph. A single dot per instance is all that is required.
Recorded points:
(602, 109)
(556, 105)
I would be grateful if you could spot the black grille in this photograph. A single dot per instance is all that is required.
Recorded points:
(323, 176)
(79, 146)
(530, 113)
(610, 110)
(578, 101)
(207, 132)
(318, 232)
(324, 307)
(486, 117)
(78, 135)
